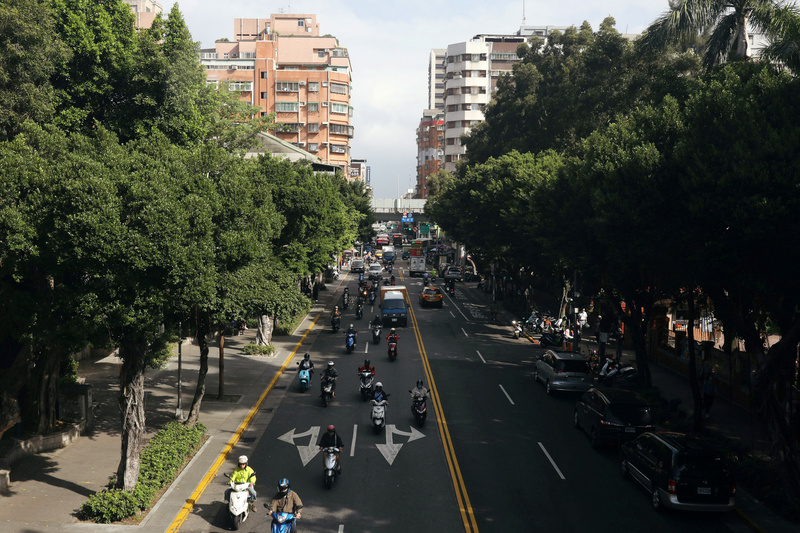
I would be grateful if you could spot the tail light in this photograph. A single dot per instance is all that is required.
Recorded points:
(671, 486)
(733, 490)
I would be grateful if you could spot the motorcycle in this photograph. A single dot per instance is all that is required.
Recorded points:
(426, 281)
(517, 329)
(345, 300)
(327, 392)
(335, 323)
(554, 338)
(329, 472)
(238, 502)
(376, 333)
(282, 522)
(304, 379)
(613, 373)
(378, 415)
(350, 342)
(419, 408)
(372, 297)
(359, 309)
(392, 350)
(366, 386)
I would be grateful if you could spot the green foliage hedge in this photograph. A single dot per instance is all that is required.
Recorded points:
(258, 349)
(161, 460)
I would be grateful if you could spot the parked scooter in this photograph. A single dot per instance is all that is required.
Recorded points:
(303, 379)
(238, 502)
(366, 385)
(517, 333)
(419, 408)
(283, 522)
(376, 333)
(329, 473)
(554, 338)
(379, 415)
(350, 342)
(614, 373)
(327, 391)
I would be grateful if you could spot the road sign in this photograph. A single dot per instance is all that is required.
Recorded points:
(390, 449)
(308, 451)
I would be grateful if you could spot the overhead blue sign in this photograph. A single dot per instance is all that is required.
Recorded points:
(410, 220)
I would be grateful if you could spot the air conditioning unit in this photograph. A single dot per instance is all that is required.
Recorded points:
(324, 83)
(324, 123)
(302, 104)
(302, 84)
(301, 143)
(324, 104)
(323, 144)
(302, 124)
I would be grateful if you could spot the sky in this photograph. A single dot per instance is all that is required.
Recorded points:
(389, 44)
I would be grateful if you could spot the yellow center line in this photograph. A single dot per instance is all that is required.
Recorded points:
(212, 472)
(464, 505)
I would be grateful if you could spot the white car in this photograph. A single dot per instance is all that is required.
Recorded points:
(375, 271)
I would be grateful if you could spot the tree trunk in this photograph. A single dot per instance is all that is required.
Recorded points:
(221, 391)
(131, 405)
(46, 390)
(200, 389)
(743, 50)
(697, 422)
(265, 328)
(638, 323)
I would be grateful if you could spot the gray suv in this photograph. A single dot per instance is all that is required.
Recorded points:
(563, 371)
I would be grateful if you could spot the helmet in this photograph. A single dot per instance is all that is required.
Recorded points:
(393, 330)
(330, 364)
(377, 318)
(306, 357)
(331, 428)
(379, 386)
(335, 307)
(366, 362)
(346, 289)
(351, 326)
(419, 384)
(242, 459)
(283, 486)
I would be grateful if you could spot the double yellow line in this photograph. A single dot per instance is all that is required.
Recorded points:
(464, 505)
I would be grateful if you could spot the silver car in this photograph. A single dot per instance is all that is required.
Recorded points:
(563, 371)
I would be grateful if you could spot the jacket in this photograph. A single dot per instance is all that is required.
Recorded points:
(327, 440)
(244, 475)
(285, 503)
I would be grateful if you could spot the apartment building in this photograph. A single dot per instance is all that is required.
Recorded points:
(430, 144)
(436, 74)
(145, 12)
(284, 66)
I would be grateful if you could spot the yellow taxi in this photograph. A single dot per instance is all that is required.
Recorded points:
(431, 296)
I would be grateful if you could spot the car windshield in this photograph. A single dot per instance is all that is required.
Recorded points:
(394, 304)
(700, 462)
(631, 414)
(573, 366)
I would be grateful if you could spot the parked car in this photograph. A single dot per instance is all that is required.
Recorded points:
(563, 371)
(357, 266)
(679, 471)
(612, 416)
(375, 271)
(431, 296)
(453, 272)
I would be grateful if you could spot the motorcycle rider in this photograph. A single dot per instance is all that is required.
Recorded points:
(331, 439)
(420, 391)
(376, 322)
(286, 501)
(306, 364)
(244, 474)
(352, 330)
(336, 314)
(330, 374)
(392, 336)
(391, 280)
(366, 368)
(378, 394)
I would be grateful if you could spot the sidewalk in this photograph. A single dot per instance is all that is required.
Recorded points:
(46, 490)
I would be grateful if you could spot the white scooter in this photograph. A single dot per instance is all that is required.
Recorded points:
(330, 466)
(378, 415)
(238, 504)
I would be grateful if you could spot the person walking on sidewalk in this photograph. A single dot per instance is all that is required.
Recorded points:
(709, 391)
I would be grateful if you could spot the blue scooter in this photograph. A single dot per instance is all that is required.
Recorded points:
(304, 379)
(350, 342)
(282, 522)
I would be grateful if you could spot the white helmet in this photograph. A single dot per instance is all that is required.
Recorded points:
(242, 459)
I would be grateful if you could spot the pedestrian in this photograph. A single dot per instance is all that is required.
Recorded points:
(315, 291)
(583, 317)
(709, 391)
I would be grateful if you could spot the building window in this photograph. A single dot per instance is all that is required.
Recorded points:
(287, 127)
(286, 107)
(287, 86)
(213, 83)
(313, 127)
(338, 88)
(341, 129)
(339, 108)
(240, 86)
(338, 149)
(313, 86)
(248, 55)
(225, 55)
(313, 107)
(313, 147)
(300, 22)
(321, 54)
(264, 96)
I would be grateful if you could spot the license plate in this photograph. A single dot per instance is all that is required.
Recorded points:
(703, 490)
(630, 430)
(394, 320)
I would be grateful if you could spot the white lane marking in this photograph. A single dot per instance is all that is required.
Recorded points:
(507, 396)
(452, 315)
(341, 528)
(464, 332)
(551, 461)
(460, 311)
(479, 355)
(366, 347)
(353, 442)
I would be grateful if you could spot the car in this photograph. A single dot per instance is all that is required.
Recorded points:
(453, 272)
(375, 271)
(357, 266)
(679, 472)
(406, 254)
(563, 371)
(431, 296)
(612, 416)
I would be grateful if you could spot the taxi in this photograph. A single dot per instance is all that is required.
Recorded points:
(431, 296)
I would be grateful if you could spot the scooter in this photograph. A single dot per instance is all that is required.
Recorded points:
(238, 504)
(451, 290)
(366, 387)
(392, 350)
(372, 297)
(378, 415)
(350, 342)
(419, 408)
(303, 379)
(282, 522)
(327, 392)
(426, 281)
(517, 329)
(554, 338)
(329, 472)
(359, 309)
(376, 334)
(335, 322)
(345, 300)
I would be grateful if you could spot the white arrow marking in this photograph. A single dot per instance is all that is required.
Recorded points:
(306, 452)
(390, 449)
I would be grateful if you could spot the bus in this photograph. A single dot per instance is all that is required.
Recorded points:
(397, 240)
(382, 240)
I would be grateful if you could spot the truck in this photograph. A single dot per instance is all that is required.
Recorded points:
(394, 305)
(388, 254)
(416, 266)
